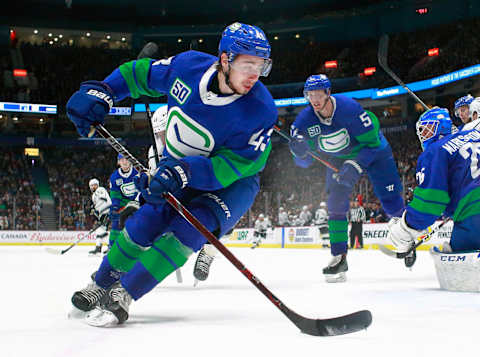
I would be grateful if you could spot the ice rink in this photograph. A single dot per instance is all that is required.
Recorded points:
(228, 316)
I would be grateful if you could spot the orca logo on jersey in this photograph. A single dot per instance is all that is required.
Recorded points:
(334, 142)
(180, 91)
(128, 189)
(186, 137)
(420, 176)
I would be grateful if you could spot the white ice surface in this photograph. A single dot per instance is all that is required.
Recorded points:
(228, 316)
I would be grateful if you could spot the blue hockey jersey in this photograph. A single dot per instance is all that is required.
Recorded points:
(222, 138)
(448, 179)
(352, 134)
(122, 188)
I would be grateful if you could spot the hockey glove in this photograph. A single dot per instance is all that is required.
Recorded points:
(89, 105)
(349, 173)
(299, 146)
(400, 235)
(172, 176)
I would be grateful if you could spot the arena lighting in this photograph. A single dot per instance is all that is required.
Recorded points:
(35, 152)
(19, 72)
(331, 64)
(433, 52)
(369, 71)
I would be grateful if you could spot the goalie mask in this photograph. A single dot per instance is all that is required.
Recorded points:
(433, 125)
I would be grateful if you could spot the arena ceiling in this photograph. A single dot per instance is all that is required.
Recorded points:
(177, 12)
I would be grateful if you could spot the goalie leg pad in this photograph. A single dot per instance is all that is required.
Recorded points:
(458, 271)
(166, 255)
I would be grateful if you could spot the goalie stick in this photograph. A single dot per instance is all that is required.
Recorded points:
(335, 326)
(420, 240)
(316, 157)
(382, 60)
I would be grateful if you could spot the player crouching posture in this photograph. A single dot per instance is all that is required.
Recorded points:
(220, 118)
(448, 179)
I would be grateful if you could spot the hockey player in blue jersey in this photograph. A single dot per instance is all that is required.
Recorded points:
(339, 127)
(123, 194)
(220, 120)
(461, 109)
(448, 184)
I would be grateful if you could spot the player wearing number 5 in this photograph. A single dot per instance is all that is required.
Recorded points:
(339, 127)
(220, 118)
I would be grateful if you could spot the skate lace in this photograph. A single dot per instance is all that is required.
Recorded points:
(92, 293)
(204, 261)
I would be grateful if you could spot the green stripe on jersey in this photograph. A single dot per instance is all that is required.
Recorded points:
(224, 172)
(432, 194)
(421, 206)
(371, 138)
(139, 86)
(468, 206)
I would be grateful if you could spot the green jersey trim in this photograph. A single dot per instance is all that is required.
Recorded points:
(229, 167)
(135, 74)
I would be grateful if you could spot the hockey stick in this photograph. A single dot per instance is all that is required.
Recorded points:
(420, 240)
(61, 252)
(382, 60)
(317, 327)
(316, 157)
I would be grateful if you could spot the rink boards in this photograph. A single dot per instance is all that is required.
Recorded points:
(281, 237)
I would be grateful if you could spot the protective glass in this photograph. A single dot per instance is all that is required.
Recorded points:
(246, 67)
(316, 95)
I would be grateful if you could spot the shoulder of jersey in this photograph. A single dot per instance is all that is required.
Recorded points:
(193, 58)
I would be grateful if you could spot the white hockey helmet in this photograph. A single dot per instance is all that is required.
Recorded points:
(261, 215)
(304, 208)
(93, 181)
(323, 204)
(160, 119)
(474, 108)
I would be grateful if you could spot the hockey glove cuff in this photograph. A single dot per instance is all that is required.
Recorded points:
(400, 235)
(299, 146)
(349, 173)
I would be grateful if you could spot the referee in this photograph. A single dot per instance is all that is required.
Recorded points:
(356, 217)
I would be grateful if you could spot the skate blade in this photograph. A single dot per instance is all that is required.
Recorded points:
(76, 314)
(195, 282)
(336, 278)
(101, 318)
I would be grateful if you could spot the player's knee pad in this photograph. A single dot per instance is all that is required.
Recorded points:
(189, 235)
(458, 271)
(148, 223)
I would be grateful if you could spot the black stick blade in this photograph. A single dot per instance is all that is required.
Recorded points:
(335, 326)
(149, 50)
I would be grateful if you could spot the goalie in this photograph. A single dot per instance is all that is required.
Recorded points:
(448, 179)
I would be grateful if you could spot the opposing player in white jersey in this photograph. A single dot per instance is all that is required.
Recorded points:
(321, 221)
(101, 205)
(261, 226)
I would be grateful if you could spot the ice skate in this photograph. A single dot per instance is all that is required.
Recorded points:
(202, 265)
(335, 271)
(97, 250)
(112, 310)
(87, 298)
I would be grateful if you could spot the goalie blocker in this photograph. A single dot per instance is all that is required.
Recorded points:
(459, 271)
